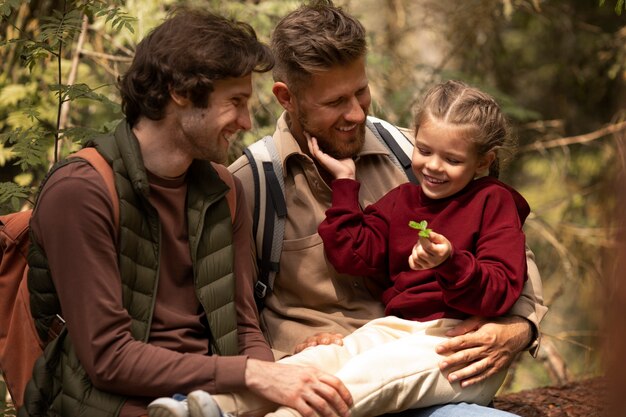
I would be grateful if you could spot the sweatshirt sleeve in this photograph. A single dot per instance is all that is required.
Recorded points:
(251, 340)
(356, 241)
(489, 282)
(74, 225)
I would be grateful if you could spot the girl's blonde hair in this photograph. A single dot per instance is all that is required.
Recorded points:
(459, 104)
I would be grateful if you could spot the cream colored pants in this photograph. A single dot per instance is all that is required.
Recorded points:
(389, 365)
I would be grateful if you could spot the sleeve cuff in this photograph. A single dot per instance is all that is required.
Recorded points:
(535, 341)
(533, 348)
(230, 373)
(345, 192)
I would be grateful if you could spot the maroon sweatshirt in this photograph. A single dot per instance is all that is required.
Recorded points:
(73, 222)
(485, 272)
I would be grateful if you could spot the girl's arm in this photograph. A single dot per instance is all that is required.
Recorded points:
(356, 242)
(489, 282)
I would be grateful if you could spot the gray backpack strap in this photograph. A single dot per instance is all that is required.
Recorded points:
(393, 139)
(270, 212)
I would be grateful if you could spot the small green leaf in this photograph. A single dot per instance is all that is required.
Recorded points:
(422, 227)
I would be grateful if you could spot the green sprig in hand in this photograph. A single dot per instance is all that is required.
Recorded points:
(430, 251)
(422, 227)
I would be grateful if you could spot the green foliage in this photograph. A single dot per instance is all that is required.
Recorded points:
(30, 144)
(8, 6)
(10, 195)
(619, 6)
(76, 91)
(118, 18)
(422, 227)
(57, 29)
(43, 117)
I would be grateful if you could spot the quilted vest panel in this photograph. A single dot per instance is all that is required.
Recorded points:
(60, 385)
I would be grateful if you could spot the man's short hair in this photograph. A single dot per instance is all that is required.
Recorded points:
(314, 38)
(185, 55)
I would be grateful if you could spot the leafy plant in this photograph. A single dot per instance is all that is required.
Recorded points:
(619, 6)
(422, 227)
(36, 128)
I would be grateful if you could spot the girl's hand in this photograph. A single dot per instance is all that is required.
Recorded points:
(338, 168)
(430, 252)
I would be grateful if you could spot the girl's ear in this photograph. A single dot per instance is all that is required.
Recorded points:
(485, 162)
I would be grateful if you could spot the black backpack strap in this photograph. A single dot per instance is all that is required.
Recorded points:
(394, 140)
(270, 212)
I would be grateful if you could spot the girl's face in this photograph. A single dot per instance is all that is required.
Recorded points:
(445, 160)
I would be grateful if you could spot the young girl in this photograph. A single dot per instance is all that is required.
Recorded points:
(472, 263)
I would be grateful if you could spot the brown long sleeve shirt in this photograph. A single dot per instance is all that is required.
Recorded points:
(74, 225)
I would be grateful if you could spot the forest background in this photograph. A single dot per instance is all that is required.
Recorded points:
(557, 67)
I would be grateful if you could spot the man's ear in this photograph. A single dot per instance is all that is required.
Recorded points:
(178, 99)
(284, 96)
(485, 162)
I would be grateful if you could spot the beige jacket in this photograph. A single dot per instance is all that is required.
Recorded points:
(309, 295)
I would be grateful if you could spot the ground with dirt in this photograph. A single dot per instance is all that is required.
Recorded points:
(585, 398)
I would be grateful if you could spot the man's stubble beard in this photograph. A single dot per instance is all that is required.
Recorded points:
(332, 146)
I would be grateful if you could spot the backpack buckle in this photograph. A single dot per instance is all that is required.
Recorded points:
(260, 290)
(56, 327)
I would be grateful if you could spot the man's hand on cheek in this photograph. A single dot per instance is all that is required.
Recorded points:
(479, 348)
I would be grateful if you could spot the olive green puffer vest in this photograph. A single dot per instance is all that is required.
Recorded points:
(60, 385)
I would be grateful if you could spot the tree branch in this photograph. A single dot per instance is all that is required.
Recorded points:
(61, 98)
(107, 56)
(561, 142)
(65, 108)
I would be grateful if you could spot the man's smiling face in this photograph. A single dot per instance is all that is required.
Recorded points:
(332, 107)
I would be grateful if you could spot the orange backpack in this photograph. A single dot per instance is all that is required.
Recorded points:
(20, 345)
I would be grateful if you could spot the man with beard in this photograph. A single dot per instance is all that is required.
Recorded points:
(321, 82)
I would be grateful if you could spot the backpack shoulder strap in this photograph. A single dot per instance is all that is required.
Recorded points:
(13, 230)
(20, 345)
(231, 196)
(393, 139)
(270, 211)
(96, 160)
